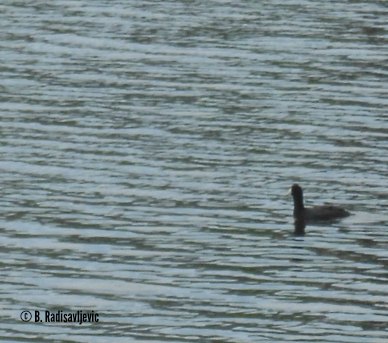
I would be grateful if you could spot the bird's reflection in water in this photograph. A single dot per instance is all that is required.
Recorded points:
(299, 225)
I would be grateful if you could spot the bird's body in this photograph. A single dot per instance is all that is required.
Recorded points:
(304, 215)
(322, 213)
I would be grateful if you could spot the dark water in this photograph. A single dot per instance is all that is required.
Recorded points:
(146, 150)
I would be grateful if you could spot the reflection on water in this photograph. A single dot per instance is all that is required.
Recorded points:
(146, 150)
(299, 227)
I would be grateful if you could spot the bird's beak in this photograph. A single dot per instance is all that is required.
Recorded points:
(289, 191)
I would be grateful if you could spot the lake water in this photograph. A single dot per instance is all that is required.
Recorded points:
(146, 151)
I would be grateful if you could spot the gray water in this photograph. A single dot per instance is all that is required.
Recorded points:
(146, 151)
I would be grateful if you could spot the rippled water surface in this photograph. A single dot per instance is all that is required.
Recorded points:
(146, 151)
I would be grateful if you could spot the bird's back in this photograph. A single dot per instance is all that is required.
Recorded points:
(325, 212)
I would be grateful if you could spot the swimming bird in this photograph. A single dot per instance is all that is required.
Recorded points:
(304, 215)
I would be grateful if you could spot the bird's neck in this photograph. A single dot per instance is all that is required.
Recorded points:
(298, 204)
